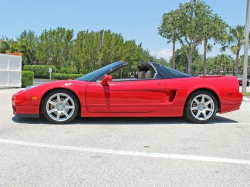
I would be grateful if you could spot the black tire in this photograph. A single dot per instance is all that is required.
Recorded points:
(205, 112)
(60, 106)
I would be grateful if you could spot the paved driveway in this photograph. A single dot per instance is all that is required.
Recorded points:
(39, 81)
(124, 151)
(247, 88)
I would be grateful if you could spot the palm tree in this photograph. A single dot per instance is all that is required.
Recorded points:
(241, 63)
(236, 37)
(27, 45)
(223, 60)
(28, 50)
(207, 48)
(215, 28)
(231, 64)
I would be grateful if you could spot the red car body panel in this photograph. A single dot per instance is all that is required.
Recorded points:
(136, 98)
(125, 97)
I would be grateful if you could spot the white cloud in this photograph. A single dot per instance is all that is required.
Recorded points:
(164, 53)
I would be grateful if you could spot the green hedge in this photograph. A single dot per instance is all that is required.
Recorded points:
(62, 76)
(40, 71)
(27, 78)
(66, 71)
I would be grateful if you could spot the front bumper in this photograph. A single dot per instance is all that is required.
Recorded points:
(22, 107)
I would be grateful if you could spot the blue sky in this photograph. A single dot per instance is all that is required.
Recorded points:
(134, 19)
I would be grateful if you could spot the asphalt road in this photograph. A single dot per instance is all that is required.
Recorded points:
(124, 151)
(39, 81)
(247, 88)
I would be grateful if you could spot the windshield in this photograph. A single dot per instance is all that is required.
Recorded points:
(93, 76)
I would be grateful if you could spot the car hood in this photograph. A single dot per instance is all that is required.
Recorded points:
(78, 87)
(63, 83)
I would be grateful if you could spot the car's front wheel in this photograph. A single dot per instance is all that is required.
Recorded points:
(60, 106)
(201, 107)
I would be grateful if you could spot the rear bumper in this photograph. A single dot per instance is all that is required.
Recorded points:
(231, 103)
(230, 108)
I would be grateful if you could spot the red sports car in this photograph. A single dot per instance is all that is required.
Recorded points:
(157, 91)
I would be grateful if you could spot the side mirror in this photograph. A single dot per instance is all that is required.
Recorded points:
(106, 79)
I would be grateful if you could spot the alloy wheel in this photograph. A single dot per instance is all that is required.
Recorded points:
(202, 107)
(60, 107)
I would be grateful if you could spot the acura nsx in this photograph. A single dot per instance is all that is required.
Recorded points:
(155, 91)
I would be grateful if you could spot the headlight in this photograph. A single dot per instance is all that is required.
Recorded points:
(29, 87)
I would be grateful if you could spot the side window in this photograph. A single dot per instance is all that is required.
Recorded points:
(122, 73)
(127, 73)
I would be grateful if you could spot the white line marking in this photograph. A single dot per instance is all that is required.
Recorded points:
(129, 153)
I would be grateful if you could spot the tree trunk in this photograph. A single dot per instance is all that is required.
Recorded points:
(173, 54)
(190, 59)
(220, 68)
(205, 57)
(189, 54)
(237, 63)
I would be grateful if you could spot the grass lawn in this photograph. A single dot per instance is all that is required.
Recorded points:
(246, 94)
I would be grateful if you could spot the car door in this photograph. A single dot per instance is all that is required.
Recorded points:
(138, 96)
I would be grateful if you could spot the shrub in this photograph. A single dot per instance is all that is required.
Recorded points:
(62, 76)
(27, 78)
(40, 71)
(67, 70)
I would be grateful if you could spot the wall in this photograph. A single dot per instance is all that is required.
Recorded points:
(10, 70)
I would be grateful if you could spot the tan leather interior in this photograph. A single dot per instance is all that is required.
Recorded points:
(141, 75)
(149, 74)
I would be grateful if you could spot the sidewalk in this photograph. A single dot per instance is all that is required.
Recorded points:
(248, 88)
(39, 81)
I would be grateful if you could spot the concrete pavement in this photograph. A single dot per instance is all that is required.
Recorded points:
(27, 164)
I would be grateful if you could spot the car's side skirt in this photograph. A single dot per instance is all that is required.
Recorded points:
(26, 115)
(158, 112)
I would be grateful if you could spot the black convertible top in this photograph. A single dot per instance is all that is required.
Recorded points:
(143, 66)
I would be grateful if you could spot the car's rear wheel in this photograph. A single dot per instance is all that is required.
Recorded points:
(201, 107)
(60, 106)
